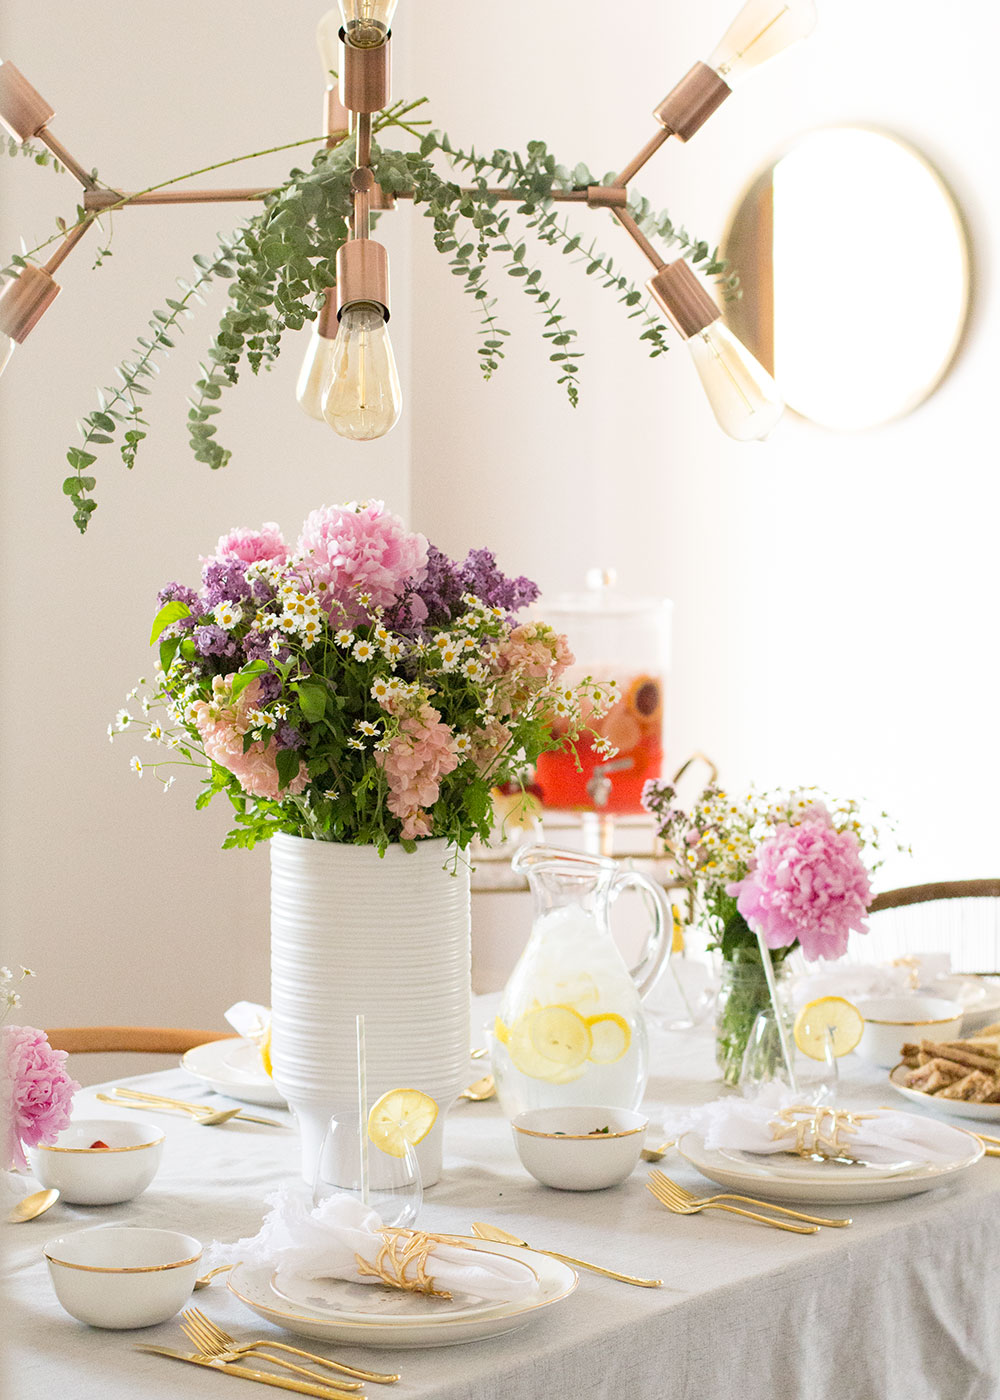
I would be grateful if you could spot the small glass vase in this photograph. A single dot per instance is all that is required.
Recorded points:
(743, 994)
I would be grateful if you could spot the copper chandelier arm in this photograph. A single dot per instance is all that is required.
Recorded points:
(639, 160)
(636, 234)
(67, 159)
(64, 249)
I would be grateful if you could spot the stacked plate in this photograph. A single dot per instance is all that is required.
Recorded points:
(370, 1315)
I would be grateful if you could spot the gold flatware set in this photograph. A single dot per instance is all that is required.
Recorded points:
(492, 1232)
(202, 1113)
(681, 1202)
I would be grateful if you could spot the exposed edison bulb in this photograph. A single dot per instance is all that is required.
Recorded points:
(6, 350)
(328, 43)
(316, 374)
(367, 22)
(744, 397)
(762, 29)
(364, 399)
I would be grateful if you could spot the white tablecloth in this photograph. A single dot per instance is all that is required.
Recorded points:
(902, 1306)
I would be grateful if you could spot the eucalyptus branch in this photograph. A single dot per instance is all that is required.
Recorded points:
(41, 155)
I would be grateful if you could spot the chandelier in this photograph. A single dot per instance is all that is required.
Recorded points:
(349, 377)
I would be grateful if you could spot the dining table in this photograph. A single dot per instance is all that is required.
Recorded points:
(902, 1305)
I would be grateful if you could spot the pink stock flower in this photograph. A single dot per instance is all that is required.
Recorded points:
(253, 545)
(808, 882)
(418, 757)
(535, 650)
(362, 549)
(222, 725)
(38, 1093)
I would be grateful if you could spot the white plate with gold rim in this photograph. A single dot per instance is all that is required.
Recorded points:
(556, 1281)
(233, 1067)
(984, 1112)
(363, 1302)
(779, 1182)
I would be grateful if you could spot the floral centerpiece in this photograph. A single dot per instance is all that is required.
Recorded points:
(784, 868)
(359, 686)
(37, 1093)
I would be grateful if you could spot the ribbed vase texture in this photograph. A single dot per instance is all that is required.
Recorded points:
(385, 937)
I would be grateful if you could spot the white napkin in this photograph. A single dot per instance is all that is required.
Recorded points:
(887, 1136)
(322, 1242)
(860, 981)
(249, 1018)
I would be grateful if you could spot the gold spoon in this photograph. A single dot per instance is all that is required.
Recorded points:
(498, 1236)
(208, 1119)
(32, 1206)
(480, 1089)
(206, 1279)
(656, 1154)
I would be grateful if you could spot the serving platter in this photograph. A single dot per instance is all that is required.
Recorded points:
(233, 1067)
(957, 1108)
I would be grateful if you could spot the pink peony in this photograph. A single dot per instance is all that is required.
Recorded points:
(418, 757)
(361, 549)
(808, 883)
(222, 724)
(38, 1093)
(253, 545)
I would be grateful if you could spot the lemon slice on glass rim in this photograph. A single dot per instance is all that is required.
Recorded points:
(399, 1118)
(828, 1019)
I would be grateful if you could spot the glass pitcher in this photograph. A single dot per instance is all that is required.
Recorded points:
(570, 1028)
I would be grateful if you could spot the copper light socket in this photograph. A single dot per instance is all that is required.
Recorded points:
(362, 274)
(607, 196)
(25, 301)
(364, 76)
(684, 110)
(681, 295)
(23, 111)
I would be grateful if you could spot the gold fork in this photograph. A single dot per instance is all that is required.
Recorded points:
(749, 1201)
(670, 1196)
(224, 1340)
(200, 1334)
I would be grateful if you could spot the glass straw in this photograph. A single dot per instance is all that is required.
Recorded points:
(772, 987)
(362, 1107)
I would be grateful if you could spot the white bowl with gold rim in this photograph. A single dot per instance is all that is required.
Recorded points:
(85, 1175)
(892, 1022)
(123, 1276)
(579, 1148)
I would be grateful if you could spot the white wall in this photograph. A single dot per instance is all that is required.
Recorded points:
(835, 596)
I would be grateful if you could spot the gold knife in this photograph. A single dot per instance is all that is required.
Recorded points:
(247, 1373)
(191, 1107)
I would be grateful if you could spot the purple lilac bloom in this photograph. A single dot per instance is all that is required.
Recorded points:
(225, 581)
(257, 646)
(481, 576)
(268, 688)
(287, 737)
(213, 641)
(180, 593)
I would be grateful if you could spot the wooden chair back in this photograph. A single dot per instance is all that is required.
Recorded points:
(148, 1040)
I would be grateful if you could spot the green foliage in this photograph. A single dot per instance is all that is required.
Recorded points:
(281, 261)
(41, 155)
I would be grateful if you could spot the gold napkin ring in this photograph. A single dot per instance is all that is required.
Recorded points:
(400, 1249)
(818, 1131)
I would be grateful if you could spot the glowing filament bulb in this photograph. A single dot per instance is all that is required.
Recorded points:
(6, 350)
(367, 22)
(364, 399)
(762, 29)
(743, 396)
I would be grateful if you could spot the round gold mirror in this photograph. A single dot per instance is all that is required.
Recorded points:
(854, 263)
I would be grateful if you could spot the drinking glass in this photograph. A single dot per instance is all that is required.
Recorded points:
(763, 1063)
(393, 1190)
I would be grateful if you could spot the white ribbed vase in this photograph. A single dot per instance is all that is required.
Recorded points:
(387, 937)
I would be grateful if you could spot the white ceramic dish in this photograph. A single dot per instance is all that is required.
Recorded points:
(563, 1147)
(556, 1281)
(984, 1112)
(890, 1022)
(867, 1185)
(360, 1302)
(98, 1176)
(233, 1067)
(122, 1276)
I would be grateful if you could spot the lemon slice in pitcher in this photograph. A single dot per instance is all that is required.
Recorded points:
(561, 1035)
(399, 1117)
(832, 1019)
(611, 1036)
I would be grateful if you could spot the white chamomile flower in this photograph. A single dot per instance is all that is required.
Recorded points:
(364, 726)
(227, 615)
(395, 686)
(153, 734)
(462, 743)
(288, 623)
(383, 745)
(392, 650)
(281, 711)
(256, 735)
(449, 657)
(122, 720)
(561, 708)
(497, 612)
(381, 634)
(469, 643)
(274, 646)
(353, 743)
(168, 783)
(6, 975)
(111, 733)
(136, 765)
(13, 1000)
(363, 651)
(365, 599)
(344, 637)
(147, 704)
(173, 742)
(474, 670)
(442, 640)
(380, 690)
